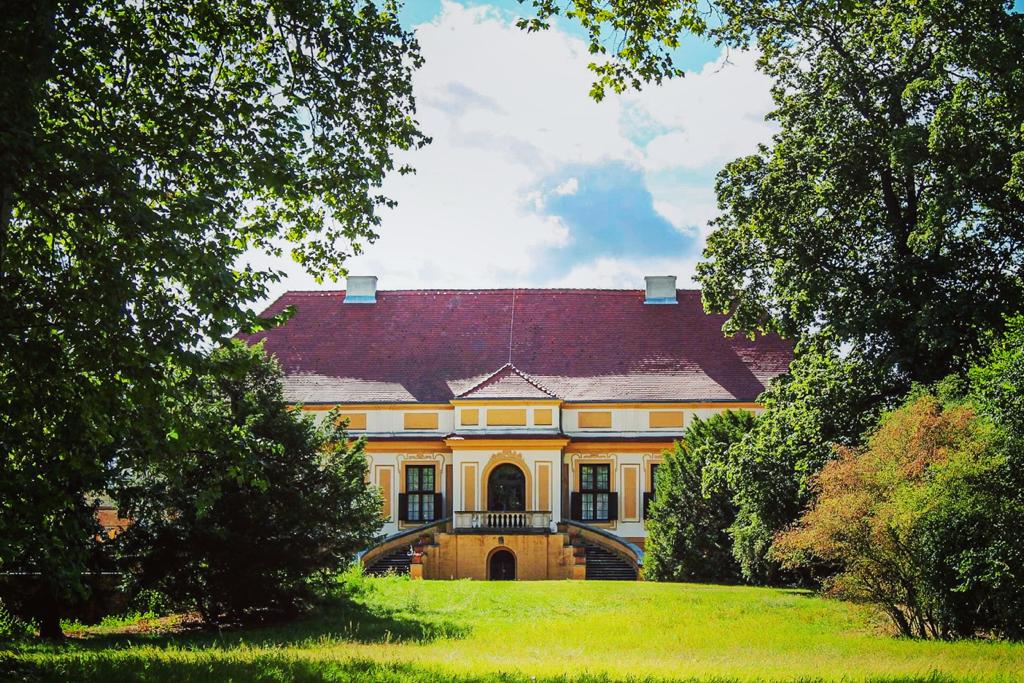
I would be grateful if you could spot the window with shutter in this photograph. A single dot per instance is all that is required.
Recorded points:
(595, 496)
(419, 493)
(575, 506)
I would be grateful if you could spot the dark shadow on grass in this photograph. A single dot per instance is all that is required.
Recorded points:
(801, 592)
(340, 618)
(278, 668)
(344, 618)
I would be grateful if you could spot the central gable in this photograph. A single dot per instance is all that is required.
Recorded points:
(507, 383)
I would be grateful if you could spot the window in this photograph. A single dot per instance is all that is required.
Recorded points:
(594, 492)
(419, 492)
(654, 478)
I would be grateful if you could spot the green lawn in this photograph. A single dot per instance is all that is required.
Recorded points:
(400, 630)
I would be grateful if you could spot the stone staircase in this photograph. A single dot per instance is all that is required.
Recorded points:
(396, 562)
(603, 565)
(586, 555)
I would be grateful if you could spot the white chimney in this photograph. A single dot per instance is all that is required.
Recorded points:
(661, 289)
(361, 289)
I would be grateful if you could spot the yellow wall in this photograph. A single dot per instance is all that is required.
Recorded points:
(465, 556)
(591, 419)
(468, 486)
(543, 486)
(421, 420)
(630, 506)
(384, 480)
(355, 420)
(506, 417)
(666, 418)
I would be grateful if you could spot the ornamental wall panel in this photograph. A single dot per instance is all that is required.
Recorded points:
(630, 492)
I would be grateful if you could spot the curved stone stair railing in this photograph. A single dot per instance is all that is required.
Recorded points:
(395, 553)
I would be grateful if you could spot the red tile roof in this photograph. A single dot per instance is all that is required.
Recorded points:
(430, 346)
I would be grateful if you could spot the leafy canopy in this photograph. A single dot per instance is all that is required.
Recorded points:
(633, 43)
(144, 148)
(998, 383)
(889, 207)
(826, 398)
(925, 521)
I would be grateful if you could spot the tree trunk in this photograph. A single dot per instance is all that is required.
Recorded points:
(49, 623)
(44, 607)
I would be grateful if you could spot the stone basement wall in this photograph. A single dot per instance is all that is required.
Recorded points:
(466, 556)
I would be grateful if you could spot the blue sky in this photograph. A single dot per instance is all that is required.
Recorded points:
(530, 183)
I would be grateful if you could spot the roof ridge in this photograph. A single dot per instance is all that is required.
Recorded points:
(483, 381)
(427, 290)
(529, 378)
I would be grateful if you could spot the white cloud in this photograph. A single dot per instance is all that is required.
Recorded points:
(688, 209)
(508, 109)
(714, 116)
(570, 186)
(619, 273)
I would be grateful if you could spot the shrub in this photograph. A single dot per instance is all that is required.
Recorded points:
(11, 626)
(254, 502)
(691, 512)
(924, 522)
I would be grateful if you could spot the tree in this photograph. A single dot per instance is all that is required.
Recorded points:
(692, 512)
(889, 207)
(826, 398)
(923, 523)
(641, 36)
(257, 501)
(144, 149)
(885, 208)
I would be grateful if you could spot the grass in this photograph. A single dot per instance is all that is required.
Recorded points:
(461, 631)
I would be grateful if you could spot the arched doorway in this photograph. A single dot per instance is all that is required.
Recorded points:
(502, 566)
(506, 489)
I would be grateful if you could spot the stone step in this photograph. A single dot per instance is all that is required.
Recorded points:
(397, 562)
(603, 565)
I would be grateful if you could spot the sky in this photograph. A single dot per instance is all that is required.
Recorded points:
(530, 183)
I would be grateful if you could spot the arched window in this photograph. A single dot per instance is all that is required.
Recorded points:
(506, 489)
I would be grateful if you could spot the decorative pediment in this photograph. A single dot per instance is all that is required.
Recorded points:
(507, 456)
(422, 456)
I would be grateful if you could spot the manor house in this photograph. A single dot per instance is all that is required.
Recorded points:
(515, 433)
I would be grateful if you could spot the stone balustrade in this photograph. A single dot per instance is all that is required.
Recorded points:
(502, 521)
